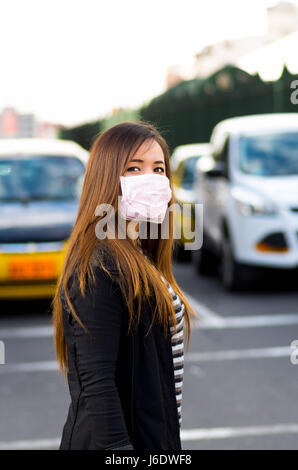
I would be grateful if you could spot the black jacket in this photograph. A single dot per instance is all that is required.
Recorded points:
(121, 384)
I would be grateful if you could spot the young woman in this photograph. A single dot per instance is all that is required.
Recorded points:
(120, 319)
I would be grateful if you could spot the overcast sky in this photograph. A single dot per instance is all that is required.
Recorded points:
(69, 61)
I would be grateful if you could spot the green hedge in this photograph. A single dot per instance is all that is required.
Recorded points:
(187, 112)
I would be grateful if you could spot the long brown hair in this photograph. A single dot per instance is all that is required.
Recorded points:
(110, 154)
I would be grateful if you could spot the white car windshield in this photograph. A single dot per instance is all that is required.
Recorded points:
(272, 154)
(40, 177)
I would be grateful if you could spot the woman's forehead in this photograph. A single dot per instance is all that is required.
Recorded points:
(149, 151)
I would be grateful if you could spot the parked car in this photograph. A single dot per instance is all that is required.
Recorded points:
(183, 163)
(250, 197)
(40, 184)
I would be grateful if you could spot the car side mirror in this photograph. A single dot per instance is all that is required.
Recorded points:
(218, 170)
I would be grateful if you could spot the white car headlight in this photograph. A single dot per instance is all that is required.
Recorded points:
(249, 203)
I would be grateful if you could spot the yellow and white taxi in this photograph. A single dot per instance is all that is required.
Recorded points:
(184, 162)
(40, 185)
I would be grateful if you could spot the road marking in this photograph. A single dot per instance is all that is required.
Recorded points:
(224, 433)
(206, 315)
(196, 434)
(27, 332)
(208, 320)
(43, 366)
(206, 356)
(30, 444)
(212, 320)
(251, 321)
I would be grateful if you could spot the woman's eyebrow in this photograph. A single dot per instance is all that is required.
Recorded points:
(142, 161)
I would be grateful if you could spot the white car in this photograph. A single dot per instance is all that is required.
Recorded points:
(250, 196)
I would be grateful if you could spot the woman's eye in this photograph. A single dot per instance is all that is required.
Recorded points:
(132, 167)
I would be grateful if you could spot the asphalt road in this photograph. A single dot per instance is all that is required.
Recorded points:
(240, 384)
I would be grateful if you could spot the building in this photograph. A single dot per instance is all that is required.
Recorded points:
(282, 21)
(14, 124)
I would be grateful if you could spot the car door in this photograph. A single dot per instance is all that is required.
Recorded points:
(215, 189)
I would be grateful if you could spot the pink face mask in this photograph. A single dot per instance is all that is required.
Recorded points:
(145, 197)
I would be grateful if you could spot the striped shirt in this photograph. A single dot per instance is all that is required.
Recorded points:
(178, 347)
(177, 341)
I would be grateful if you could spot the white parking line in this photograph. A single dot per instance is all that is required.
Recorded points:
(196, 434)
(212, 320)
(207, 315)
(251, 321)
(205, 356)
(224, 433)
(31, 444)
(280, 351)
(26, 332)
(43, 366)
(208, 320)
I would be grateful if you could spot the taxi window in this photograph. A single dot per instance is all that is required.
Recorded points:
(189, 172)
(40, 177)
